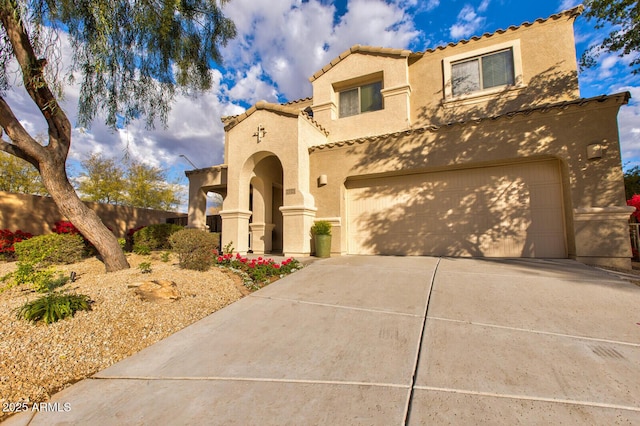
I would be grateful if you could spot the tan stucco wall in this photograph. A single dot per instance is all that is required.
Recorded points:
(561, 133)
(38, 215)
(346, 74)
(414, 85)
(549, 74)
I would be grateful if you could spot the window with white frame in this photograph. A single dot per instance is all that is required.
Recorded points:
(483, 71)
(361, 99)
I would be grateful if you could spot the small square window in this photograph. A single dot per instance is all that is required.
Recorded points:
(361, 99)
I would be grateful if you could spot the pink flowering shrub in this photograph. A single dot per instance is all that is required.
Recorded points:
(260, 270)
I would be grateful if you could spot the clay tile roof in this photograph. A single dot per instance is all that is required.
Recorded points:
(282, 109)
(298, 101)
(570, 13)
(619, 98)
(367, 50)
(315, 123)
(231, 122)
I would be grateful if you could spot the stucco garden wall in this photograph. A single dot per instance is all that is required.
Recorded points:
(38, 215)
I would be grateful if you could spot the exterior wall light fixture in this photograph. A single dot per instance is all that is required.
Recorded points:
(595, 150)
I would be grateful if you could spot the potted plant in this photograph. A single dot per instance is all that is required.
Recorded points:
(321, 231)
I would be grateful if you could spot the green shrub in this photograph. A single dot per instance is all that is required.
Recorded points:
(42, 280)
(154, 237)
(195, 248)
(51, 249)
(142, 249)
(321, 227)
(53, 307)
(145, 267)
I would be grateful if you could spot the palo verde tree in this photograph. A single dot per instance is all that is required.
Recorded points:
(624, 37)
(130, 57)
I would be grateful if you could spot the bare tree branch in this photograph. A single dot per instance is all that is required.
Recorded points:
(23, 146)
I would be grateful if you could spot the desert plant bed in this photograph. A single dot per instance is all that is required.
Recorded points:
(37, 360)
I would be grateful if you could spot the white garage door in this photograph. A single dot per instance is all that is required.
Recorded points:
(503, 211)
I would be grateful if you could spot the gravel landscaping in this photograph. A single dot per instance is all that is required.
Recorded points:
(37, 360)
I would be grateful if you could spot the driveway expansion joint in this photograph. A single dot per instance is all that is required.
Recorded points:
(530, 398)
(330, 305)
(254, 379)
(530, 330)
(414, 376)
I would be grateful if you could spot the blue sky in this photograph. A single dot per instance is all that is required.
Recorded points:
(281, 43)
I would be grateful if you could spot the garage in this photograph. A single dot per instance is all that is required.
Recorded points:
(512, 210)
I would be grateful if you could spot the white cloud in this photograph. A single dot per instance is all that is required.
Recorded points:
(250, 86)
(629, 128)
(468, 23)
(293, 39)
(484, 6)
(569, 4)
(432, 4)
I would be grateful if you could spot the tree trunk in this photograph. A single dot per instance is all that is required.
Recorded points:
(50, 160)
(54, 178)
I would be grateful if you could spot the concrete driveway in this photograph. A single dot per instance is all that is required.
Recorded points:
(389, 341)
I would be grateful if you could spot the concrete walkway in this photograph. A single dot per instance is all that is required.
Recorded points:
(389, 341)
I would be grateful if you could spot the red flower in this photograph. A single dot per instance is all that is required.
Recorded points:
(635, 202)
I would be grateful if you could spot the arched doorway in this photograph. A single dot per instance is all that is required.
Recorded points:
(266, 197)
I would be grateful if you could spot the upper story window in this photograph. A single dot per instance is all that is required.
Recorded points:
(361, 99)
(484, 71)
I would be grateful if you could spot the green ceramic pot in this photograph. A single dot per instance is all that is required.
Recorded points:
(323, 245)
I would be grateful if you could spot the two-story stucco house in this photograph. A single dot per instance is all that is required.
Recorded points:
(477, 148)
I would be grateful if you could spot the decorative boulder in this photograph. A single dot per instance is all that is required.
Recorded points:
(157, 290)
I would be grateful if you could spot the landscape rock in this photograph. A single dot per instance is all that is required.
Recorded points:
(157, 290)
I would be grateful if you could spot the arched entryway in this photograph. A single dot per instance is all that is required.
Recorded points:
(265, 199)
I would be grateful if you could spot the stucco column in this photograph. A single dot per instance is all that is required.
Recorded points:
(235, 229)
(297, 222)
(200, 182)
(197, 217)
(261, 234)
